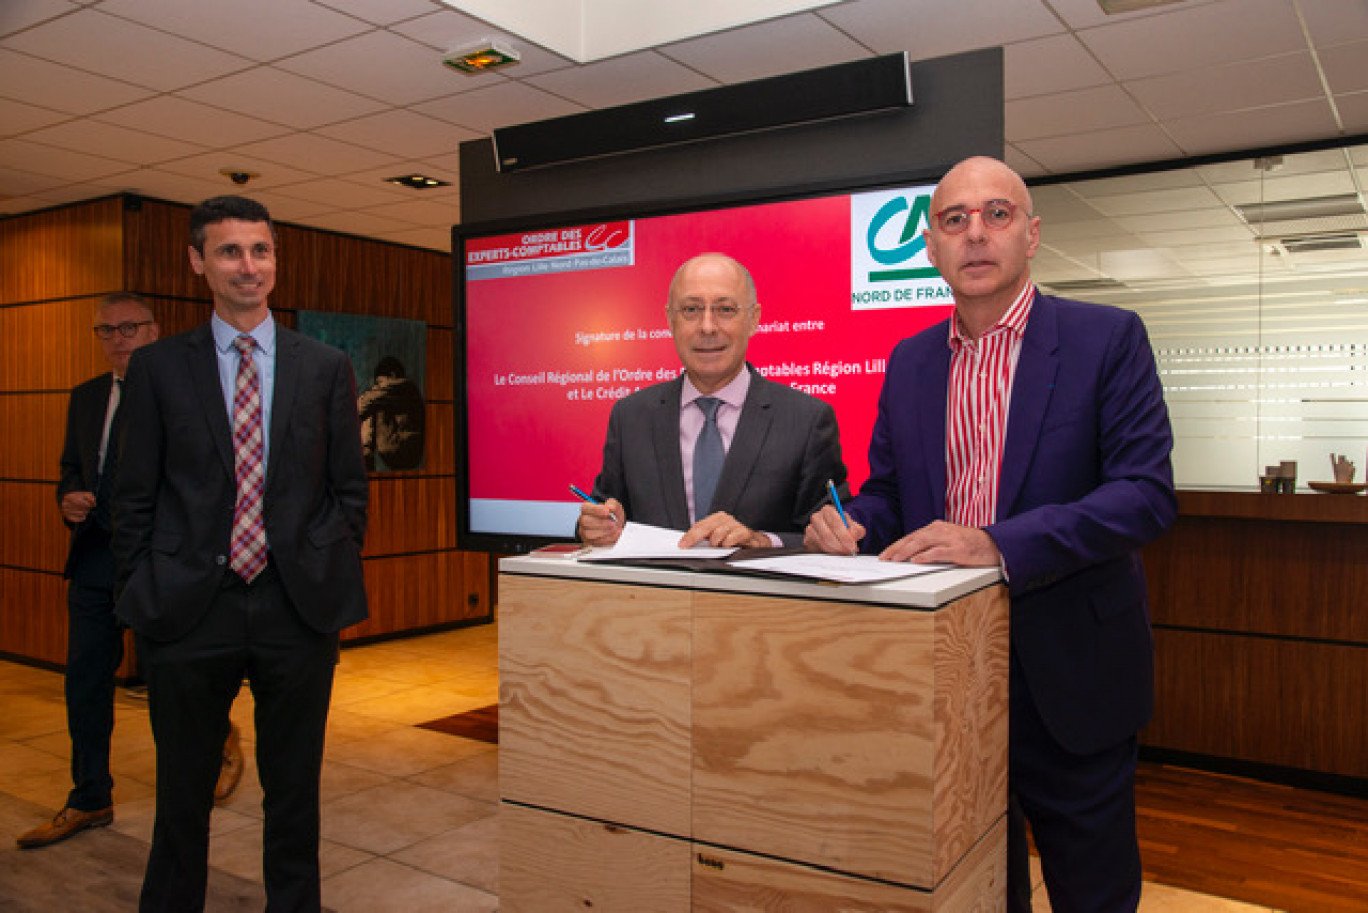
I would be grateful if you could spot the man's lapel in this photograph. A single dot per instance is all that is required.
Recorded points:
(204, 377)
(1032, 389)
(665, 440)
(286, 384)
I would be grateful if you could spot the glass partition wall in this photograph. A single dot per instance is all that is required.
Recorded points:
(1252, 278)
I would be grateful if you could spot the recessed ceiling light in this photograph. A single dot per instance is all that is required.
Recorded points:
(417, 181)
(1116, 7)
(479, 56)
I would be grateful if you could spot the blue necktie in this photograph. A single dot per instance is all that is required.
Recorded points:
(707, 458)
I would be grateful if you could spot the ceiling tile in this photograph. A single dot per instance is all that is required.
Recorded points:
(446, 30)
(178, 188)
(341, 194)
(92, 40)
(1021, 163)
(1080, 14)
(1101, 149)
(358, 223)
(413, 133)
(1345, 66)
(939, 27)
(22, 14)
(16, 183)
(498, 106)
(1353, 109)
(622, 80)
(61, 163)
(421, 211)
(17, 117)
(207, 167)
(273, 95)
(1047, 65)
(1334, 21)
(1149, 182)
(51, 85)
(1272, 80)
(380, 65)
(132, 146)
(1232, 131)
(1083, 110)
(380, 12)
(773, 48)
(1205, 218)
(1275, 188)
(290, 209)
(1196, 38)
(168, 115)
(437, 239)
(319, 154)
(259, 30)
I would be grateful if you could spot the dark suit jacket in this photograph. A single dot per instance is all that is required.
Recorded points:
(88, 558)
(786, 447)
(173, 505)
(1086, 481)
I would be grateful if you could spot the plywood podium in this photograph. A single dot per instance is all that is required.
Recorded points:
(675, 741)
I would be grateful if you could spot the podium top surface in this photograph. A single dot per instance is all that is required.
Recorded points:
(928, 591)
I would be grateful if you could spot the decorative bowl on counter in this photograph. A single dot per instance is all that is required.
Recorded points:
(1338, 488)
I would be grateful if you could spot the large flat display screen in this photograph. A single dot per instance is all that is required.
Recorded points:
(555, 322)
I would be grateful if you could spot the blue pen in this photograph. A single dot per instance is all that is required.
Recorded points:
(836, 499)
(579, 492)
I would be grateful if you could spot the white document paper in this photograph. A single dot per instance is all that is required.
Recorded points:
(639, 540)
(841, 568)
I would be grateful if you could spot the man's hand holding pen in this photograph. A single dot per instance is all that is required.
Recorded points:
(601, 524)
(827, 532)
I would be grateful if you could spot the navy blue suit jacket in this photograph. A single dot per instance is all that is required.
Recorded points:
(1086, 481)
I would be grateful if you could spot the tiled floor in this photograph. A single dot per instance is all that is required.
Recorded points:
(409, 818)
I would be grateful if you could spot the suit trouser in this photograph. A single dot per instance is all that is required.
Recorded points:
(253, 631)
(1081, 810)
(94, 651)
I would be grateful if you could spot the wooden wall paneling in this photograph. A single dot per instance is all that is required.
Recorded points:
(1292, 704)
(1270, 577)
(408, 592)
(61, 253)
(33, 617)
(410, 515)
(35, 425)
(156, 262)
(594, 700)
(440, 364)
(49, 345)
(32, 534)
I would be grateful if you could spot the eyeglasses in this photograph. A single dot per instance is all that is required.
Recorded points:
(128, 329)
(722, 313)
(996, 214)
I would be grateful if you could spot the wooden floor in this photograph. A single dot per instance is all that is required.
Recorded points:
(1292, 849)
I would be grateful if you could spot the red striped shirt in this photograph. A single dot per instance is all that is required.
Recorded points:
(981, 372)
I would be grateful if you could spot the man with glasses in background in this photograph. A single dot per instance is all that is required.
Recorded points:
(94, 639)
(1029, 432)
(734, 459)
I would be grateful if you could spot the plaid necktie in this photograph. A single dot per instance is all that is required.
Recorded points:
(247, 553)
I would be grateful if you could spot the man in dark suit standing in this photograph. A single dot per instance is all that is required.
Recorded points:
(732, 458)
(240, 511)
(94, 638)
(1030, 432)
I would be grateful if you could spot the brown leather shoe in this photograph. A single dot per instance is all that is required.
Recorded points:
(231, 771)
(65, 823)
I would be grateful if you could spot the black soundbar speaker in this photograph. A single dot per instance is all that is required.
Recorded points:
(842, 90)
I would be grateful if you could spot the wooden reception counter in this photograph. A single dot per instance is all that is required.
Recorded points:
(1260, 609)
(674, 741)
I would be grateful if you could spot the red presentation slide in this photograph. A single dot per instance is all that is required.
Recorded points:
(563, 321)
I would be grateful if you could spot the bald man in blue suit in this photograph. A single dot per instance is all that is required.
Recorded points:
(1081, 482)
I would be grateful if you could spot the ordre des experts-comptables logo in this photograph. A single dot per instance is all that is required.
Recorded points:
(889, 267)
